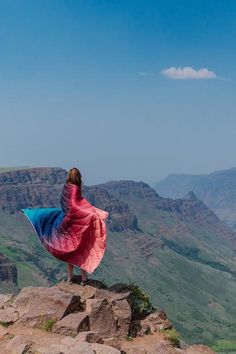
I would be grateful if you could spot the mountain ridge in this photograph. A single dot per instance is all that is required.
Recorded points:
(174, 249)
(217, 190)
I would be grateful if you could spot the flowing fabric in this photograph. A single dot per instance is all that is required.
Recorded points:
(75, 233)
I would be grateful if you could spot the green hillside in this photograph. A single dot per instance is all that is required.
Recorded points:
(199, 298)
(180, 253)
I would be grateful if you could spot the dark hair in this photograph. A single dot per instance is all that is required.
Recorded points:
(74, 176)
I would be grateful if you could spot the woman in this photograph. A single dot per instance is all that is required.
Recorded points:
(75, 234)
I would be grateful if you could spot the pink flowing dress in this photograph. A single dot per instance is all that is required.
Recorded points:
(76, 233)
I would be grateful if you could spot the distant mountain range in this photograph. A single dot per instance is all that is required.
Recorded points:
(178, 250)
(217, 190)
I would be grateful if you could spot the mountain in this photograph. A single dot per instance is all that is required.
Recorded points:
(178, 250)
(31, 187)
(217, 190)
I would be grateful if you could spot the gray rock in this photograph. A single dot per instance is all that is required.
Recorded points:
(9, 315)
(90, 337)
(4, 298)
(80, 348)
(104, 349)
(101, 317)
(18, 345)
(3, 332)
(72, 324)
(122, 313)
(37, 305)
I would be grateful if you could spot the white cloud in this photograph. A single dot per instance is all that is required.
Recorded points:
(187, 73)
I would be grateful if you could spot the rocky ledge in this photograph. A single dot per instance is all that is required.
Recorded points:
(91, 319)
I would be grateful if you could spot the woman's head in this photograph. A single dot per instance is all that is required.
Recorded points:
(74, 177)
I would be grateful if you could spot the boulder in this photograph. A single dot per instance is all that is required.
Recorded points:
(151, 346)
(60, 348)
(104, 349)
(8, 315)
(84, 292)
(154, 322)
(90, 337)
(37, 305)
(111, 295)
(101, 317)
(3, 332)
(121, 309)
(114, 341)
(18, 345)
(122, 314)
(4, 298)
(72, 324)
(135, 349)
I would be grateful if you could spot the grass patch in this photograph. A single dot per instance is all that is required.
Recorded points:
(225, 346)
(5, 324)
(173, 336)
(48, 324)
(128, 337)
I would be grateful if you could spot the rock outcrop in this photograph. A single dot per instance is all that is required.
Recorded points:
(8, 275)
(187, 209)
(41, 188)
(121, 217)
(36, 187)
(91, 319)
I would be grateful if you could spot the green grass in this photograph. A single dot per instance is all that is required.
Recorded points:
(20, 244)
(48, 324)
(5, 324)
(225, 346)
(173, 336)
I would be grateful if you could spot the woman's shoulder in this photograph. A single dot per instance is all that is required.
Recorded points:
(71, 185)
(72, 188)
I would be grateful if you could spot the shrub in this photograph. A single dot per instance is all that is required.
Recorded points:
(139, 301)
(5, 324)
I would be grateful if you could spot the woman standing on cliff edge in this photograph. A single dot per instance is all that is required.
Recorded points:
(76, 233)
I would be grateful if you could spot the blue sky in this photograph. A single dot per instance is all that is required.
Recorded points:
(93, 84)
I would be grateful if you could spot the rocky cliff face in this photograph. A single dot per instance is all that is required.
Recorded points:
(121, 217)
(41, 187)
(130, 189)
(92, 319)
(187, 209)
(34, 187)
(8, 274)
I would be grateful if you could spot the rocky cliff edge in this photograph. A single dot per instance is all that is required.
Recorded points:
(92, 319)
